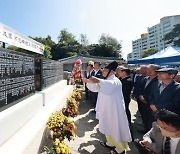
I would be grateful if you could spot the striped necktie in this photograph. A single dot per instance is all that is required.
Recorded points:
(167, 148)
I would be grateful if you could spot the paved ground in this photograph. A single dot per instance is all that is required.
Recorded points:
(88, 135)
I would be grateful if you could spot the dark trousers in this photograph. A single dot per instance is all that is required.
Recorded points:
(147, 115)
(140, 109)
(128, 113)
(145, 112)
(94, 99)
(87, 93)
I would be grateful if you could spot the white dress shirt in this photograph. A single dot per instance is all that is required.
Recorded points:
(174, 142)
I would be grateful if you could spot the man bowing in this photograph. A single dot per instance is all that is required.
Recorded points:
(110, 109)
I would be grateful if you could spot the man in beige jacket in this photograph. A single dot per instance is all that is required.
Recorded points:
(164, 136)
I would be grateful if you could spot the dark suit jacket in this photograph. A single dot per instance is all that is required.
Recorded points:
(85, 74)
(145, 91)
(157, 139)
(95, 94)
(168, 99)
(99, 74)
(92, 73)
(89, 75)
(127, 85)
(137, 86)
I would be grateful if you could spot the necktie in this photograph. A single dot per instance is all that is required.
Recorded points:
(167, 149)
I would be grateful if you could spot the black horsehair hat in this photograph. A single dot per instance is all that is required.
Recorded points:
(112, 66)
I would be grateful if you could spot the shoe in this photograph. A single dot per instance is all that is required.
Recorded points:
(142, 131)
(105, 145)
(113, 151)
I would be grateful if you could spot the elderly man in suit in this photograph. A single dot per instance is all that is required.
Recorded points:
(127, 85)
(164, 136)
(146, 88)
(166, 93)
(137, 90)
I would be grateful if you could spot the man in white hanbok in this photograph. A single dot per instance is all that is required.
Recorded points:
(110, 109)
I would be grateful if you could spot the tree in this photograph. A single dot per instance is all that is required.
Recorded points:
(108, 46)
(83, 47)
(46, 55)
(48, 44)
(12, 47)
(67, 45)
(174, 36)
(47, 52)
(46, 41)
(66, 38)
(149, 52)
(83, 40)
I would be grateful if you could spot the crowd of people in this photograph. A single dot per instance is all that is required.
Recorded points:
(157, 93)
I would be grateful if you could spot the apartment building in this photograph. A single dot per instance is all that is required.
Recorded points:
(154, 37)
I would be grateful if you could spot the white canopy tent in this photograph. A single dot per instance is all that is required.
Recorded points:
(167, 56)
(167, 52)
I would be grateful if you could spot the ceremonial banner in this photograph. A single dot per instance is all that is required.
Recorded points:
(12, 37)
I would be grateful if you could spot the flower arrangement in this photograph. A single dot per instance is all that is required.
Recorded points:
(62, 126)
(72, 108)
(59, 147)
(77, 95)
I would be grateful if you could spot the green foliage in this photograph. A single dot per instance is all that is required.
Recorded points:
(83, 39)
(13, 48)
(83, 47)
(69, 54)
(174, 36)
(129, 55)
(84, 52)
(19, 49)
(66, 38)
(68, 46)
(47, 52)
(149, 52)
(107, 47)
(49, 150)
(46, 41)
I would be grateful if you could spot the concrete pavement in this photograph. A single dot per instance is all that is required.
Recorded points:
(88, 135)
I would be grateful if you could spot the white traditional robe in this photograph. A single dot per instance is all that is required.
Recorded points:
(110, 109)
